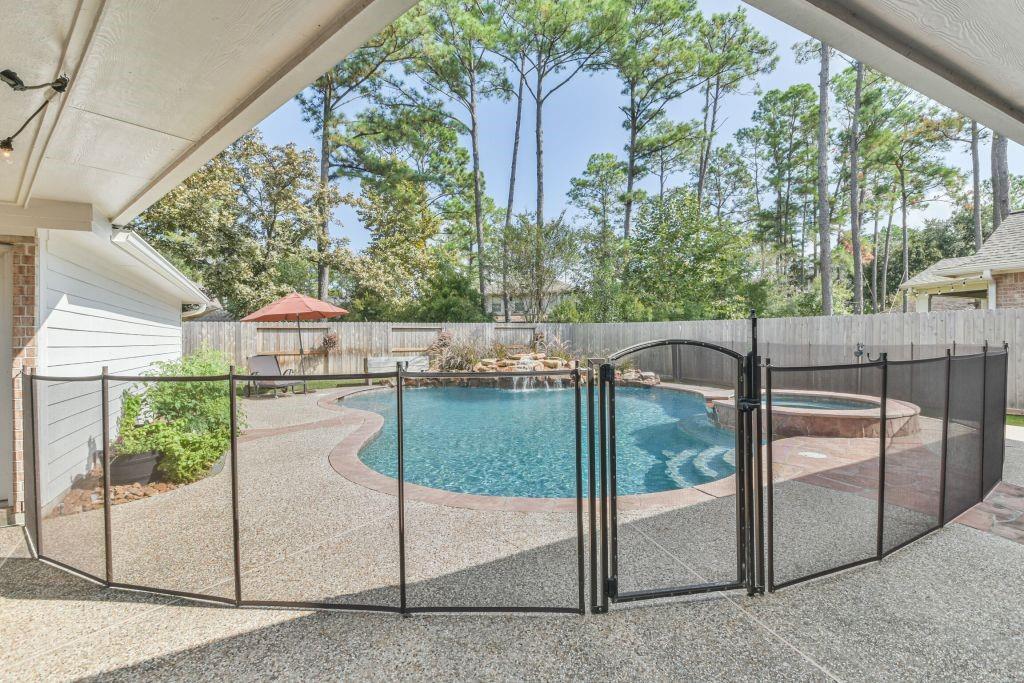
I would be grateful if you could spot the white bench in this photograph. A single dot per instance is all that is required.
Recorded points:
(388, 364)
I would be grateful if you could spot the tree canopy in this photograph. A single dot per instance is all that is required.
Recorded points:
(808, 206)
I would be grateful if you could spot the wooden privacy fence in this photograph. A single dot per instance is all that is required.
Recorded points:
(786, 341)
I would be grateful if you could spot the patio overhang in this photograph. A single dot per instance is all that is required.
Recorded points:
(157, 89)
(966, 55)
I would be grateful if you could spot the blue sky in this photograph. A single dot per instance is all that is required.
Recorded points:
(583, 118)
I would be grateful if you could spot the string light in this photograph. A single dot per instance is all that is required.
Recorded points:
(12, 79)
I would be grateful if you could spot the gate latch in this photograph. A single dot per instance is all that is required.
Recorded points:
(748, 405)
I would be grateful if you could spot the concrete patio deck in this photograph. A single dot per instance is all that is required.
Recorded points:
(946, 607)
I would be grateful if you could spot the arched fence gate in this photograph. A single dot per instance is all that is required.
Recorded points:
(686, 524)
(683, 467)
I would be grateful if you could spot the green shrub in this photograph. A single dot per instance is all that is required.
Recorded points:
(201, 406)
(187, 423)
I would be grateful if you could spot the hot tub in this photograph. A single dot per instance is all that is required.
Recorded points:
(827, 414)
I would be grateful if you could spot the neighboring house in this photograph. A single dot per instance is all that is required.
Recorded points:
(992, 278)
(520, 307)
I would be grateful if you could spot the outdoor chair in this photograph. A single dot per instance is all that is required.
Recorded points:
(268, 365)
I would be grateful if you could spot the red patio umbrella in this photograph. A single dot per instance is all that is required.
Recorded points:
(297, 307)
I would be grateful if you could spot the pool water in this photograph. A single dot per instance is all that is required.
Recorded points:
(818, 402)
(502, 442)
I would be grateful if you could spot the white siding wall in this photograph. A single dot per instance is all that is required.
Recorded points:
(91, 317)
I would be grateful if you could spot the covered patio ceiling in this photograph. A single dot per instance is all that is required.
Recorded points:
(966, 54)
(158, 88)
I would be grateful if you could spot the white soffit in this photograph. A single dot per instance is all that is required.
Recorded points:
(158, 88)
(965, 54)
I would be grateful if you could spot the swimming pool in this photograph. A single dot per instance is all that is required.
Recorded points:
(501, 442)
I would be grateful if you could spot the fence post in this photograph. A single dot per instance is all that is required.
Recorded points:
(236, 541)
(741, 508)
(591, 486)
(748, 415)
(36, 501)
(981, 427)
(883, 429)
(1002, 425)
(400, 438)
(770, 560)
(602, 416)
(613, 497)
(105, 422)
(578, 423)
(945, 443)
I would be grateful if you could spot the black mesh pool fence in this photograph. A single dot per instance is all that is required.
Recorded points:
(313, 504)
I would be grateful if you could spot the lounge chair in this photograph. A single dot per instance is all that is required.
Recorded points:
(268, 365)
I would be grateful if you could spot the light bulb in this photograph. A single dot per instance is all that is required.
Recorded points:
(7, 150)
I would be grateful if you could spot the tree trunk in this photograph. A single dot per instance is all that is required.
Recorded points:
(539, 136)
(662, 172)
(858, 263)
(1000, 180)
(825, 250)
(630, 163)
(323, 240)
(906, 241)
(976, 178)
(709, 138)
(885, 261)
(874, 266)
(512, 186)
(478, 206)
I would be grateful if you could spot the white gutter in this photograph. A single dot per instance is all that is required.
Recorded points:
(145, 254)
(1012, 267)
(195, 312)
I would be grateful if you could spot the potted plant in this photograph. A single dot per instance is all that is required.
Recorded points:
(134, 461)
(175, 431)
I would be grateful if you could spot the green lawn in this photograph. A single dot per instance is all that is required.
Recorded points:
(1015, 420)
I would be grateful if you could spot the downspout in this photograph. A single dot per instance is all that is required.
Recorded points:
(986, 275)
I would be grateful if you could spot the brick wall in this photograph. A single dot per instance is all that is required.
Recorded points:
(23, 338)
(1010, 290)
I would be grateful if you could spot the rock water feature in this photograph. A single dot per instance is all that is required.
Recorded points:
(527, 363)
(637, 378)
(516, 363)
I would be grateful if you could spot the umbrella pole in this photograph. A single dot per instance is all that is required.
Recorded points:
(302, 354)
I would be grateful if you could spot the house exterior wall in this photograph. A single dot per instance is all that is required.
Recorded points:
(92, 316)
(23, 351)
(1010, 290)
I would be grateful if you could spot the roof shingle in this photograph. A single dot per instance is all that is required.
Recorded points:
(1003, 249)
